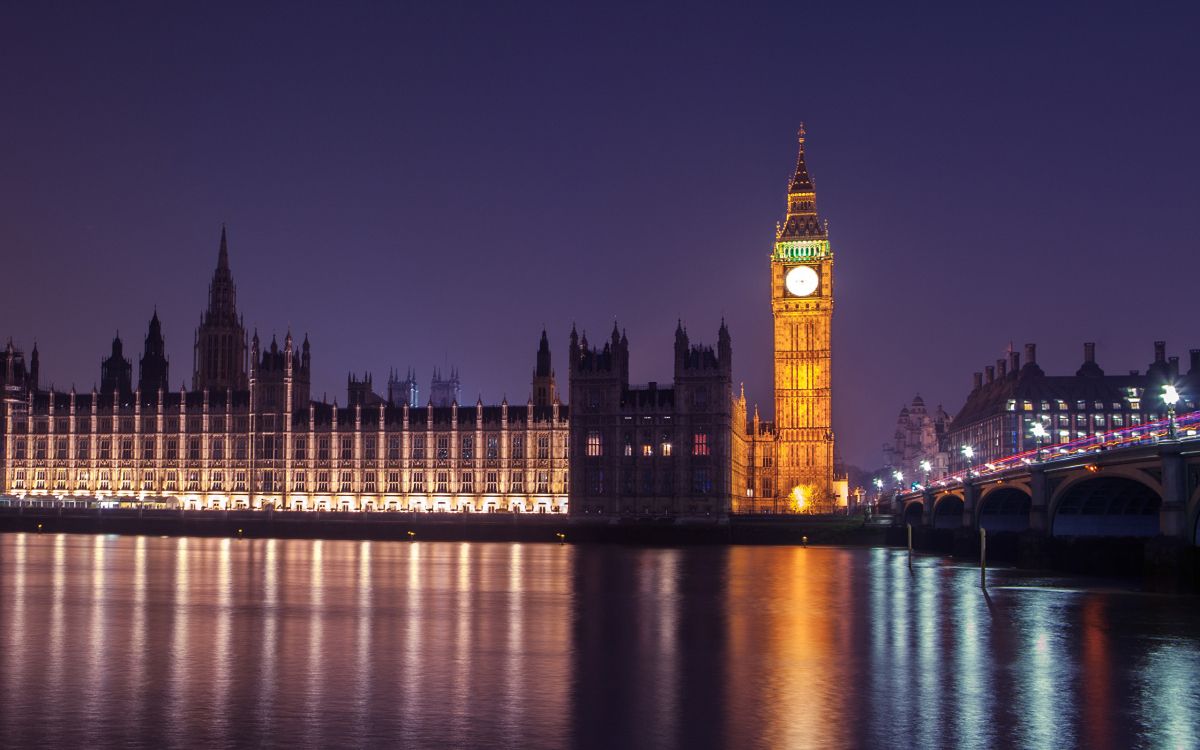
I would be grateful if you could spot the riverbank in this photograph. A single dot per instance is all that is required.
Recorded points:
(472, 527)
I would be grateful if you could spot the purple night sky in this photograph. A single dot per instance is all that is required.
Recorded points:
(431, 184)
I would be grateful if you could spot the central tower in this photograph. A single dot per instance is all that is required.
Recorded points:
(802, 308)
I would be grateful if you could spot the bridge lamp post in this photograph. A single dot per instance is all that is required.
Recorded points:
(969, 454)
(926, 467)
(1039, 434)
(1170, 397)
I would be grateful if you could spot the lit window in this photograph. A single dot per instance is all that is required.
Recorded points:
(700, 444)
(594, 445)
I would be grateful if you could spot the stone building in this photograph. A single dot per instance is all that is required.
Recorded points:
(1009, 398)
(920, 436)
(655, 450)
(249, 435)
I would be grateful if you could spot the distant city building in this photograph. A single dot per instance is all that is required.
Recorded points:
(248, 434)
(654, 450)
(1008, 399)
(920, 436)
(444, 392)
(403, 391)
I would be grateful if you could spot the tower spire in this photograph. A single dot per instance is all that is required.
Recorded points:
(223, 254)
(802, 221)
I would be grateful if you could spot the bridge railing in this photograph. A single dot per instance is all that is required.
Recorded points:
(1187, 428)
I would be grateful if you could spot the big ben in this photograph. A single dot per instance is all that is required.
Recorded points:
(802, 308)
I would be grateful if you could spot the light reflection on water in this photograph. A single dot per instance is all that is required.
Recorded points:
(155, 642)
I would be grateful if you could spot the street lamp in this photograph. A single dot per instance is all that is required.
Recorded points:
(968, 453)
(926, 467)
(1039, 434)
(1170, 397)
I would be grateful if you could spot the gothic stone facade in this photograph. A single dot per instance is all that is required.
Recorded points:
(651, 450)
(251, 437)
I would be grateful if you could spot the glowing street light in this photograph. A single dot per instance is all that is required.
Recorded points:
(1170, 397)
(899, 475)
(969, 454)
(1039, 434)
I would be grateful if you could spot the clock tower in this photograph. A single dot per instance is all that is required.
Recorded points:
(802, 308)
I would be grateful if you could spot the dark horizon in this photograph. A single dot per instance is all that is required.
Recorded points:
(431, 186)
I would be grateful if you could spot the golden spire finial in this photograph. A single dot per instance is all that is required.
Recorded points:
(800, 135)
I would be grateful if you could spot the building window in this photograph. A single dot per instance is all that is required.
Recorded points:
(60, 449)
(443, 447)
(647, 450)
(492, 482)
(369, 446)
(418, 448)
(322, 481)
(393, 481)
(323, 448)
(701, 482)
(492, 448)
(595, 447)
(126, 449)
(239, 481)
(418, 481)
(299, 483)
(369, 482)
(218, 449)
(700, 444)
(105, 449)
(266, 481)
(81, 449)
(216, 481)
(172, 448)
(300, 448)
(344, 485)
(468, 482)
(627, 446)
(543, 482)
(347, 452)
(193, 483)
(19, 449)
(518, 481)
(543, 446)
(443, 481)
(168, 480)
(468, 447)
(518, 446)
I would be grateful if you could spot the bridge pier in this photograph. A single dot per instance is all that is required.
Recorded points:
(970, 504)
(1039, 502)
(1172, 514)
(927, 508)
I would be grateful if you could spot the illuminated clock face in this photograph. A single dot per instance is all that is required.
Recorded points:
(801, 281)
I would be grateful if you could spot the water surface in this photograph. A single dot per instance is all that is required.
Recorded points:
(186, 642)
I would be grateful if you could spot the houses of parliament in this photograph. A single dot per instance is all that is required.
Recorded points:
(248, 434)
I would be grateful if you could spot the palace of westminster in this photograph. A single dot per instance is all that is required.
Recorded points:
(248, 434)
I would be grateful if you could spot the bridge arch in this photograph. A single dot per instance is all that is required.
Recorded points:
(948, 511)
(1107, 504)
(913, 512)
(1004, 507)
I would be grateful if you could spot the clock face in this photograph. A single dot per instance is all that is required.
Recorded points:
(801, 281)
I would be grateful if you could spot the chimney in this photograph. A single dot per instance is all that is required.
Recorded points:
(1014, 362)
(1160, 351)
(977, 378)
(1031, 354)
(1194, 369)
(1089, 351)
(1001, 368)
(991, 373)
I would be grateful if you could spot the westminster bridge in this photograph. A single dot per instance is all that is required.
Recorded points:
(1142, 482)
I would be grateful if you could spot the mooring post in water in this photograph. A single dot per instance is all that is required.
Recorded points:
(909, 546)
(804, 540)
(982, 557)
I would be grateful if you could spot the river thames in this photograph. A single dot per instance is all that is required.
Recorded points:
(189, 642)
